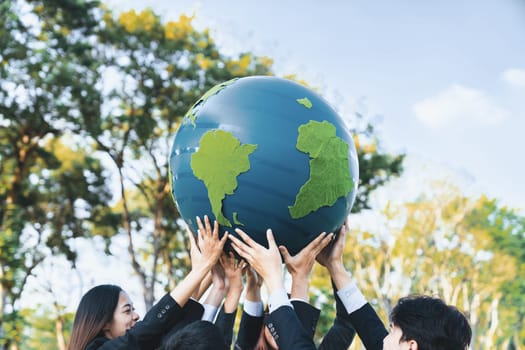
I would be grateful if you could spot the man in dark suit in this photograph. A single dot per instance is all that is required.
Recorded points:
(340, 336)
(251, 331)
(416, 322)
(282, 321)
(353, 311)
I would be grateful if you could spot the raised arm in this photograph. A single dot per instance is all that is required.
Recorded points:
(215, 294)
(205, 252)
(358, 313)
(252, 319)
(300, 265)
(282, 320)
(233, 276)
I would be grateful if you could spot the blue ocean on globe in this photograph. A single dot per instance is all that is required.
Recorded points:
(264, 152)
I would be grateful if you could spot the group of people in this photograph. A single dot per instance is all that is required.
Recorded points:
(106, 319)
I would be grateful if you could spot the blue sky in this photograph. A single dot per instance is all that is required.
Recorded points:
(445, 80)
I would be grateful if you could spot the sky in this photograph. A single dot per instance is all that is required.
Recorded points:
(443, 81)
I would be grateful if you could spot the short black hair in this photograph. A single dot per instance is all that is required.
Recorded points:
(198, 335)
(433, 324)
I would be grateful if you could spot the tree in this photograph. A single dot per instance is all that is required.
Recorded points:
(48, 186)
(507, 231)
(166, 67)
(440, 244)
(82, 88)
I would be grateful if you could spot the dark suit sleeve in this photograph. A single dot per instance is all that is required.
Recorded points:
(191, 312)
(364, 321)
(225, 322)
(148, 333)
(308, 315)
(341, 334)
(249, 331)
(369, 327)
(287, 331)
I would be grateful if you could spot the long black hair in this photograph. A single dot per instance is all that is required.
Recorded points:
(94, 311)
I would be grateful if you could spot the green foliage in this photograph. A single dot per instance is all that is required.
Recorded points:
(47, 193)
(80, 85)
(376, 168)
(468, 251)
(40, 328)
(507, 232)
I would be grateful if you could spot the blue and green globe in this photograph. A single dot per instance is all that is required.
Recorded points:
(264, 152)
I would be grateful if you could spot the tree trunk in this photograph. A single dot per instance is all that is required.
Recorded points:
(59, 328)
(494, 322)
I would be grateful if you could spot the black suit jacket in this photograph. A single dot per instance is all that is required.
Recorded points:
(250, 326)
(308, 315)
(146, 334)
(369, 327)
(225, 322)
(249, 331)
(287, 330)
(191, 312)
(342, 333)
(364, 321)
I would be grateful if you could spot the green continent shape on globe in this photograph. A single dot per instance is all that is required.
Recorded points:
(330, 176)
(218, 162)
(236, 219)
(191, 114)
(305, 102)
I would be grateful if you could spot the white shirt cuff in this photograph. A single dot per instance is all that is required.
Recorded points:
(209, 312)
(253, 308)
(277, 299)
(351, 297)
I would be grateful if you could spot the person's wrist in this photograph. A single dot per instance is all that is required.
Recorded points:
(253, 295)
(236, 285)
(252, 289)
(274, 284)
(340, 276)
(202, 267)
(300, 277)
(220, 286)
(335, 267)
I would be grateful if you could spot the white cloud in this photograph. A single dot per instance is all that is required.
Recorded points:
(459, 105)
(514, 76)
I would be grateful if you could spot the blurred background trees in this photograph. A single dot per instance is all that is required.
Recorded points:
(89, 103)
(443, 244)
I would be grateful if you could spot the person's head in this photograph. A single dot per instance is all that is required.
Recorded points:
(427, 323)
(198, 335)
(104, 311)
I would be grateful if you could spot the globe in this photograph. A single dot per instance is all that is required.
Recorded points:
(264, 152)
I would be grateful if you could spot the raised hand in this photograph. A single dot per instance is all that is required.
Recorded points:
(331, 257)
(300, 265)
(233, 273)
(204, 253)
(209, 246)
(253, 284)
(266, 261)
(232, 269)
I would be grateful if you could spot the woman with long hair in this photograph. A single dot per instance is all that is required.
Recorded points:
(105, 318)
